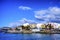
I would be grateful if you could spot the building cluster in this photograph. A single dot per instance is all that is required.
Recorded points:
(33, 28)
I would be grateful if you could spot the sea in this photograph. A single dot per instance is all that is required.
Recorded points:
(34, 36)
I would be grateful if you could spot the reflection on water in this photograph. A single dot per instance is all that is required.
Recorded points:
(29, 36)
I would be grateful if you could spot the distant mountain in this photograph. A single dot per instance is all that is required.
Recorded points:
(22, 21)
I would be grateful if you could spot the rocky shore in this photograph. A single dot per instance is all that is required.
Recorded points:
(30, 32)
(44, 29)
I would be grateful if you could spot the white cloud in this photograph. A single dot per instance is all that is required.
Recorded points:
(24, 20)
(50, 14)
(14, 24)
(20, 22)
(24, 8)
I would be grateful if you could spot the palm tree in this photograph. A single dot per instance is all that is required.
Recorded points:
(17, 29)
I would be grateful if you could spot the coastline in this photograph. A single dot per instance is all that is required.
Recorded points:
(33, 32)
(29, 29)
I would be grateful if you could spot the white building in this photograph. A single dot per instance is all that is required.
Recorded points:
(25, 24)
(39, 25)
(35, 30)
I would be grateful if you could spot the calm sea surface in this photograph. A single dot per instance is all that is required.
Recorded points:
(5, 36)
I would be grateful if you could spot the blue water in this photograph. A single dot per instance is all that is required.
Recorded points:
(4, 36)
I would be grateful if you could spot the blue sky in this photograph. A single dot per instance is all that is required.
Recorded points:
(30, 10)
